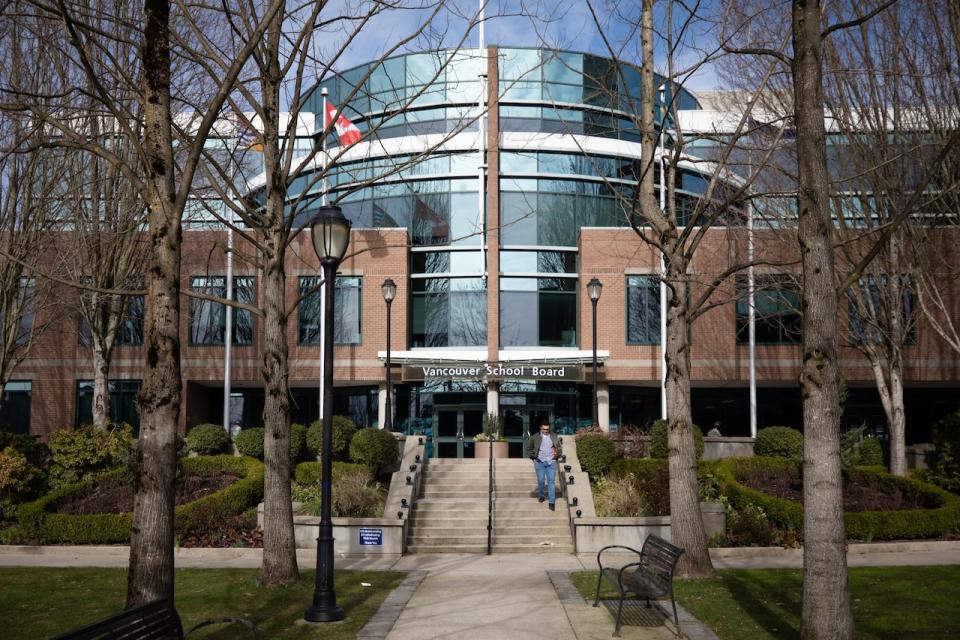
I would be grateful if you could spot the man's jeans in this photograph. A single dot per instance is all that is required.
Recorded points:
(547, 473)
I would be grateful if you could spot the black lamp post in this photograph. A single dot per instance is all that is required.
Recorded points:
(389, 289)
(594, 287)
(331, 235)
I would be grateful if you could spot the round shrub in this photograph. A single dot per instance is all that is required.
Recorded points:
(36, 452)
(869, 453)
(298, 441)
(596, 453)
(375, 448)
(343, 432)
(658, 440)
(945, 470)
(779, 442)
(19, 481)
(249, 442)
(76, 455)
(208, 439)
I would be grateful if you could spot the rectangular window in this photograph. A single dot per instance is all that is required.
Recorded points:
(870, 309)
(448, 312)
(346, 310)
(123, 402)
(777, 303)
(130, 331)
(538, 312)
(643, 310)
(208, 319)
(24, 305)
(15, 407)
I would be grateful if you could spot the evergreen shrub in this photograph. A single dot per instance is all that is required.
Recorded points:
(658, 440)
(343, 432)
(596, 453)
(249, 442)
(79, 454)
(779, 442)
(208, 439)
(375, 448)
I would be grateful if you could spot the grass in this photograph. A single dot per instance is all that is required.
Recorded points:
(42, 602)
(889, 603)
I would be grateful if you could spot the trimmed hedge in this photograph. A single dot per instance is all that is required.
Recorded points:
(208, 439)
(942, 520)
(658, 440)
(596, 453)
(343, 432)
(375, 448)
(782, 442)
(249, 442)
(37, 522)
(308, 473)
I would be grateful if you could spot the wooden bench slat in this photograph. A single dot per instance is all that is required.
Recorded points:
(151, 621)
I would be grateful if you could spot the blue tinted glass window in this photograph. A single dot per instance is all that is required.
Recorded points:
(520, 64)
(643, 310)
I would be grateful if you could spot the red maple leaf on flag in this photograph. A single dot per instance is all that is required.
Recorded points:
(347, 132)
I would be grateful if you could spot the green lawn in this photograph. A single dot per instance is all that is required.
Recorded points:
(41, 602)
(915, 603)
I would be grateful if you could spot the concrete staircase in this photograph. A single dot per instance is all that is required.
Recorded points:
(450, 515)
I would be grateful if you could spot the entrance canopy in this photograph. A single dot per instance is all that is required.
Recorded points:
(513, 356)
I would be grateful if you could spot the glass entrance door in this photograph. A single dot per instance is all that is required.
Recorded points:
(519, 422)
(454, 429)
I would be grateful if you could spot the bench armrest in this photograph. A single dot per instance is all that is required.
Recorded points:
(613, 546)
(249, 625)
(620, 575)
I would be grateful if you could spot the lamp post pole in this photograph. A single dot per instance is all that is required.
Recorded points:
(331, 234)
(389, 289)
(594, 287)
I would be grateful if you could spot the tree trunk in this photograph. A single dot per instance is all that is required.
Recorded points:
(150, 575)
(827, 610)
(686, 520)
(279, 545)
(101, 388)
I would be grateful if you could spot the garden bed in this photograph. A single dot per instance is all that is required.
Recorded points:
(114, 495)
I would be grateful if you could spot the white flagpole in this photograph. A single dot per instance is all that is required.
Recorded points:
(752, 311)
(663, 270)
(481, 142)
(228, 334)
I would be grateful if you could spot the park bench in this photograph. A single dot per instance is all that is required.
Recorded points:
(650, 577)
(156, 620)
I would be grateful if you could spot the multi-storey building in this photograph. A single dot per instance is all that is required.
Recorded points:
(491, 202)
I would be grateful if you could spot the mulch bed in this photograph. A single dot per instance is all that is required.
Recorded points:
(116, 496)
(861, 492)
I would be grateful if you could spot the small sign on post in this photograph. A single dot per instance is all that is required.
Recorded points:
(371, 536)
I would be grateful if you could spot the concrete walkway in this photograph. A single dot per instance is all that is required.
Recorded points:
(509, 596)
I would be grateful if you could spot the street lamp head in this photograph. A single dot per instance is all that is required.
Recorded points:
(331, 234)
(389, 289)
(594, 287)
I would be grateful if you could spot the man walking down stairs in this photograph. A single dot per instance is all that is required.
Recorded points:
(450, 515)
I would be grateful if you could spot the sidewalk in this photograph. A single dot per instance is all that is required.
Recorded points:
(509, 596)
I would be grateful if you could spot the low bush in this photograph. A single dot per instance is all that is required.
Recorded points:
(652, 480)
(375, 448)
(596, 453)
(249, 442)
(298, 442)
(779, 442)
(19, 481)
(869, 453)
(208, 439)
(945, 470)
(36, 452)
(343, 432)
(78, 455)
(354, 494)
(941, 519)
(37, 520)
(618, 496)
(658, 440)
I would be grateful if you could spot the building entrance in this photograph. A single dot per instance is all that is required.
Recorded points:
(519, 422)
(454, 427)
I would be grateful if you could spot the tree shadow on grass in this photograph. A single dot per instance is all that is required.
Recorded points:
(774, 605)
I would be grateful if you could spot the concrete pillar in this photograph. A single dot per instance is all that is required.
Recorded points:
(493, 398)
(382, 403)
(603, 405)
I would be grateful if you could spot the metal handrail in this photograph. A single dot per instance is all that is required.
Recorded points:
(490, 496)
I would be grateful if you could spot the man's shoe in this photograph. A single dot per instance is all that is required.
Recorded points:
(553, 507)
(542, 498)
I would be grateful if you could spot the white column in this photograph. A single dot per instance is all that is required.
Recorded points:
(603, 405)
(381, 404)
(493, 398)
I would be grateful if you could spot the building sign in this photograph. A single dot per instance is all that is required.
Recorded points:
(371, 536)
(481, 371)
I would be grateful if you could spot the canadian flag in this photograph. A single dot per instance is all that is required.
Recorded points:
(347, 132)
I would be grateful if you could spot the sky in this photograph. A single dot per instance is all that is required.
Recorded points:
(562, 24)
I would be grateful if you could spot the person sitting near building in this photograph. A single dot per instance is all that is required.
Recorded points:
(544, 451)
(715, 432)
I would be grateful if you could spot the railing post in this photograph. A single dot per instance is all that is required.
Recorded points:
(490, 494)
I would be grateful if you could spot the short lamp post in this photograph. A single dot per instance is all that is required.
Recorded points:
(331, 235)
(389, 289)
(594, 287)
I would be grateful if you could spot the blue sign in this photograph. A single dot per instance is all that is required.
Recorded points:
(371, 536)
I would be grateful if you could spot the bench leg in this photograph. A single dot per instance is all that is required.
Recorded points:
(616, 630)
(676, 618)
(596, 601)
